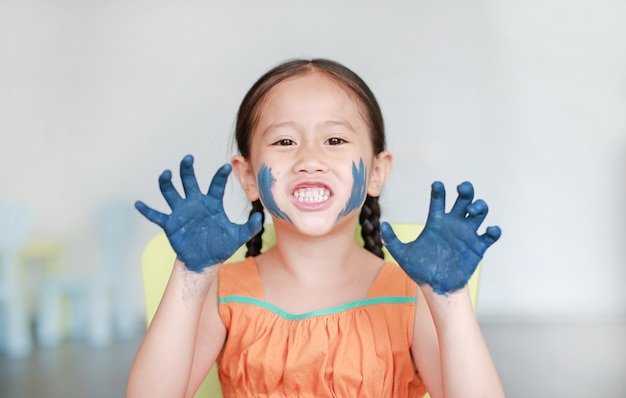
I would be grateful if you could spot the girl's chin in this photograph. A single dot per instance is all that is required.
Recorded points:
(316, 224)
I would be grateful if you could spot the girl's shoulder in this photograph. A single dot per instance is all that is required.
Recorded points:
(240, 278)
(392, 281)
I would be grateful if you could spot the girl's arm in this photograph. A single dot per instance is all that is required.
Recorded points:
(209, 340)
(449, 349)
(448, 346)
(186, 333)
(165, 359)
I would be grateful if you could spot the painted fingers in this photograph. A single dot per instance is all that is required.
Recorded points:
(449, 248)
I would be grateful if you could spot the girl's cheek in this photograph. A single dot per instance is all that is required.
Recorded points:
(266, 182)
(359, 189)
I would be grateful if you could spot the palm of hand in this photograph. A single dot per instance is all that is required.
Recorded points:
(198, 228)
(447, 252)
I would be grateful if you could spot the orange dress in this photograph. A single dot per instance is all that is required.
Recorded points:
(360, 349)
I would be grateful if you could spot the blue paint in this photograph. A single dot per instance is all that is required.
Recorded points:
(198, 229)
(266, 181)
(447, 252)
(358, 190)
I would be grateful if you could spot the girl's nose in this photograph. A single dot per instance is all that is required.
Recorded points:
(310, 160)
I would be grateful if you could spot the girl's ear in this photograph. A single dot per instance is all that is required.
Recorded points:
(245, 174)
(383, 164)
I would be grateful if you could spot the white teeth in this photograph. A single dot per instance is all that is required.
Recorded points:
(312, 195)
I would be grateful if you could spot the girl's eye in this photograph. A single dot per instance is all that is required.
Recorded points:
(335, 141)
(284, 142)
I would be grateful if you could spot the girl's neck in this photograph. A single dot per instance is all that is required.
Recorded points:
(303, 273)
(316, 258)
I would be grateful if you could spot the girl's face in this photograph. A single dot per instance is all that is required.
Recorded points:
(311, 159)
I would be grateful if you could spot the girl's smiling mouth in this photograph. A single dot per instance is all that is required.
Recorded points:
(311, 194)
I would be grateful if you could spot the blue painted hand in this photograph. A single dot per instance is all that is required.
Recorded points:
(198, 229)
(447, 252)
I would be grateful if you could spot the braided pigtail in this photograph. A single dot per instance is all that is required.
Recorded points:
(255, 244)
(370, 226)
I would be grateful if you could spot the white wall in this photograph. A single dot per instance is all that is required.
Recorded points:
(525, 99)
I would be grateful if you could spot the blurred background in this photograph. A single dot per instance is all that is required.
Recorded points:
(526, 99)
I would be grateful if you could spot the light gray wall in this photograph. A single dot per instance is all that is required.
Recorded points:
(525, 99)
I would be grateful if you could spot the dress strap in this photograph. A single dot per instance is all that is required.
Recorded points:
(392, 281)
(240, 279)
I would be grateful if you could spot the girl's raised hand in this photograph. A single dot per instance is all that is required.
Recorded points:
(198, 229)
(449, 248)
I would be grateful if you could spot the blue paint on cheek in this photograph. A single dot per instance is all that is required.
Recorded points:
(266, 181)
(358, 190)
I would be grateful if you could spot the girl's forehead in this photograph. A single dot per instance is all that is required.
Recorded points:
(312, 91)
(308, 82)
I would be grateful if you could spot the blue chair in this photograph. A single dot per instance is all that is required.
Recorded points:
(15, 230)
(98, 300)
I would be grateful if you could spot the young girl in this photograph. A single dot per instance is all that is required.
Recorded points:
(316, 315)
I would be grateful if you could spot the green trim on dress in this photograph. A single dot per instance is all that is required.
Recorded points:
(327, 311)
